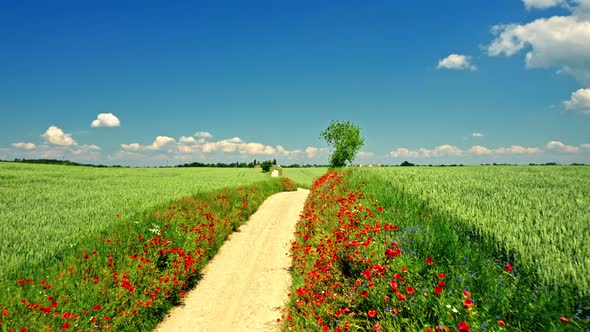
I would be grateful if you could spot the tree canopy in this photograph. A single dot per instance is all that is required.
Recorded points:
(345, 138)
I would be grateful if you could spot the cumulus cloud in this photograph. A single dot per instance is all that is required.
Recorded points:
(456, 62)
(450, 150)
(559, 146)
(585, 146)
(55, 135)
(23, 145)
(160, 142)
(187, 139)
(366, 154)
(131, 147)
(579, 101)
(203, 134)
(311, 152)
(542, 4)
(106, 120)
(561, 42)
(477, 134)
(403, 152)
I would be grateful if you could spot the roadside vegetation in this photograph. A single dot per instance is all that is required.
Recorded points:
(443, 249)
(128, 273)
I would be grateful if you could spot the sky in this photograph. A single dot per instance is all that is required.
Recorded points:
(150, 83)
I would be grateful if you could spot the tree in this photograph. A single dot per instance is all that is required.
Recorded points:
(345, 138)
(266, 165)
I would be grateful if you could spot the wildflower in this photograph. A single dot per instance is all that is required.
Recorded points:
(5, 313)
(463, 327)
(429, 261)
(410, 290)
(96, 307)
(508, 267)
(441, 275)
(65, 326)
(501, 322)
(468, 303)
(466, 293)
(564, 319)
(372, 313)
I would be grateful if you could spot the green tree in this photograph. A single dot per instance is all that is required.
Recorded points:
(266, 165)
(345, 138)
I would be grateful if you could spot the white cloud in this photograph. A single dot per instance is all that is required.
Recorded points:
(480, 150)
(585, 146)
(90, 147)
(26, 146)
(187, 139)
(203, 134)
(403, 152)
(457, 62)
(160, 142)
(235, 140)
(131, 147)
(449, 150)
(517, 149)
(105, 120)
(559, 146)
(542, 4)
(579, 101)
(311, 152)
(561, 42)
(55, 135)
(366, 154)
(477, 134)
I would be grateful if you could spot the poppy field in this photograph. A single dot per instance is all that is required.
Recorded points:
(443, 249)
(89, 249)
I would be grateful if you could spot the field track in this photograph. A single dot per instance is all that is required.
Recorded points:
(246, 283)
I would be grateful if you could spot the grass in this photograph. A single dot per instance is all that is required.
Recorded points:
(378, 250)
(46, 209)
(304, 176)
(127, 274)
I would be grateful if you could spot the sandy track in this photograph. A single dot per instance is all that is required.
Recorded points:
(246, 283)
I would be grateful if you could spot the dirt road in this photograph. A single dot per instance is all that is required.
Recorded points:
(247, 282)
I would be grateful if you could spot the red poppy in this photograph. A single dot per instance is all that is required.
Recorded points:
(429, 261)
(441, 275)
(466, 293)
(438, 290)
(468, 303)
(508, 267)
(463, 327)
(377, 327)
(96, 307)
(410, 290)
(564, 319)
(5, 313)
(65, 326)
(372, 313)
(501, 322)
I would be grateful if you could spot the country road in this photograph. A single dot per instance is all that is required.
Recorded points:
(246, 283)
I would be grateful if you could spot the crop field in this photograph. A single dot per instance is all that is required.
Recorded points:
(424, 249)
(48, 209)
(93, 248)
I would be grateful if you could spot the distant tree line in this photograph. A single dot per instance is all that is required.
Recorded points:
(59, 162)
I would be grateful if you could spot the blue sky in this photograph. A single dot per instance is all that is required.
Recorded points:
(428, 81)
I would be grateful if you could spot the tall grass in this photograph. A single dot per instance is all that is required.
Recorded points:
(46, 209)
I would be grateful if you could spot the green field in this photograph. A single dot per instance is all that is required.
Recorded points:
(538, 214)
(46, 209)
(444, 248)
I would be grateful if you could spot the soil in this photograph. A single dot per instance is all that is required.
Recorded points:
(245, 286)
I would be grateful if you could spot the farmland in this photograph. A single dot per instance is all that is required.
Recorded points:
(94, 248)
(46, 209)
(399, 249)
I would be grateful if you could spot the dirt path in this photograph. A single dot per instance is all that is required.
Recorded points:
(246, 283)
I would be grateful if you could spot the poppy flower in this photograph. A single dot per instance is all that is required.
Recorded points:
(468, 303)
(564, 319)
(463, 327)
(501, 322)
(410, 290)
(429, 261)
(508, 267)
(372, 313)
